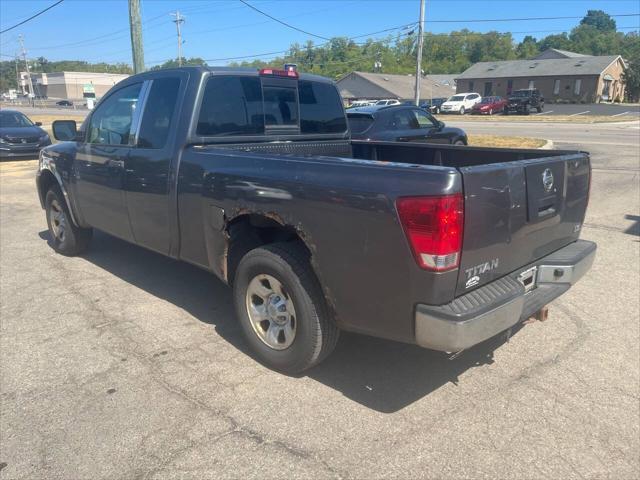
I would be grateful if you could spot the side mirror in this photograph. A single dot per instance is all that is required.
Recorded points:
(38, 124)
(65, 130)
(440, 124)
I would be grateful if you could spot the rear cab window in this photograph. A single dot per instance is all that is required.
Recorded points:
(159, 109)
(237, 105)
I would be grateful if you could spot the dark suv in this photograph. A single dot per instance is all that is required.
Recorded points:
(522, 101)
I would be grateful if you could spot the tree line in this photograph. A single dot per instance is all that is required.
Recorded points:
(452, 53)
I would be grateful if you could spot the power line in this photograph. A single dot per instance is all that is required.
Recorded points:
(282, 22)
(242, 57)
(32, 17)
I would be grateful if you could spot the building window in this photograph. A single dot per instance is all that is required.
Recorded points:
(509, 87)
(471, 86)
(531, 84)
(488, 89)
(556, 87)
(577, 87)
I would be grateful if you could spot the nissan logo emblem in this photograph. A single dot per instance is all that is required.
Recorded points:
(547, 179)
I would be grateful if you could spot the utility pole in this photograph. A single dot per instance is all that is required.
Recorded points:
(32, 94)
(419, 59)
(135, 25)
(179, 21)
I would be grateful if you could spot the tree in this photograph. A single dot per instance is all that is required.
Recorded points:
(560, 41)
(630, 50)
(173, 63)
(600, 20)
(527, 48)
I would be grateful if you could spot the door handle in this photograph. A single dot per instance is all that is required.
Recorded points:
(116, 163)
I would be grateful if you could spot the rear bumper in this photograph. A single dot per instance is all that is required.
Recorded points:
(497, 306)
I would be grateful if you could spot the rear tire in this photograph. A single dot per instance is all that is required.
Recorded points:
(281, 308)
(66, 237)
(459, 143)
(526, 110)
(461, 110)
(539, 108)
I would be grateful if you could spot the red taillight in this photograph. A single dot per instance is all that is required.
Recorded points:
(279, 73)
(433, 226)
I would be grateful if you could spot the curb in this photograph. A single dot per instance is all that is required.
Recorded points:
(547, 146)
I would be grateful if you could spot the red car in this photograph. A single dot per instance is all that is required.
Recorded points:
(490, 105)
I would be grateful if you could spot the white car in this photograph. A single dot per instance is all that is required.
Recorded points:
(388, 102)
(460, 103)
(361, 103)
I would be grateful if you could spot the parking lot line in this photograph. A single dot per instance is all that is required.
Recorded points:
(581, 113)
(544, 113)
(619, 114)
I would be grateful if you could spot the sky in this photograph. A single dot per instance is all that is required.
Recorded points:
(216, 30)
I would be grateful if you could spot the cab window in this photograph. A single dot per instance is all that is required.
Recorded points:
(158, 112)
(110, 123)
(231, 106)
(320, 108)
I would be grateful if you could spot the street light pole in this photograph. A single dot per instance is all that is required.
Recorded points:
(419, 53)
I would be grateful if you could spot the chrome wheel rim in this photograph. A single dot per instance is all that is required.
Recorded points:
(271, 312)
(58, 221)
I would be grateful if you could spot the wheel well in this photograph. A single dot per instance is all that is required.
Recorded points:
(250, 231)
(47, 179)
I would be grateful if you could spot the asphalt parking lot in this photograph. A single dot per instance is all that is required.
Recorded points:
(124, 364)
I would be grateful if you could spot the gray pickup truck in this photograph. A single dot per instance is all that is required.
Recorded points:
(252, 175)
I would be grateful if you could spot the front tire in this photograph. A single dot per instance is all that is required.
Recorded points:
(461, 110)
(539, 108)
(66, 238)
(281, 308)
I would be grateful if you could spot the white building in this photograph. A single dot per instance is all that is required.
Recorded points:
(70, 85)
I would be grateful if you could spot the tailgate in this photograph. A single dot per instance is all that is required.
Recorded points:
(517, 212)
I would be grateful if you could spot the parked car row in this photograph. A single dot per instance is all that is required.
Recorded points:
(519, 101)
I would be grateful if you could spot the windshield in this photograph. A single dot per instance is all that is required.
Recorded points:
(14, 119)
(489, 100)
(456, 98)
(521, 93)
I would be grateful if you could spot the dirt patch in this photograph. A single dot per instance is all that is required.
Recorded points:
(505, 142)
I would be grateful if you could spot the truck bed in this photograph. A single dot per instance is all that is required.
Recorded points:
(510, 219)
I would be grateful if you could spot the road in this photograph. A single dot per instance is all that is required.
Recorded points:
(125, 364)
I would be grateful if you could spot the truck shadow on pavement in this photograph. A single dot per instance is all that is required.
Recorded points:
(382, 375)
